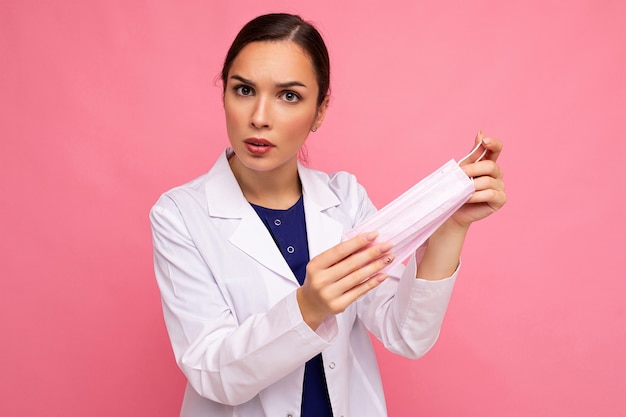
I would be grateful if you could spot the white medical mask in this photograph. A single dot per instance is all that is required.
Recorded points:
(409, 220)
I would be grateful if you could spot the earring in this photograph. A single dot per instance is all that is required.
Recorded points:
(314, 129)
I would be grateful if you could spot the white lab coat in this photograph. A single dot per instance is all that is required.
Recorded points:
(230, 307)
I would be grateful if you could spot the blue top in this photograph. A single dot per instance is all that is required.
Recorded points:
(288, 228)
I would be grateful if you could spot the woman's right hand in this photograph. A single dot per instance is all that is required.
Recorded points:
(339, 276)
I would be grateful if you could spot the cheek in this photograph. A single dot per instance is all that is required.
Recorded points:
(233, 117)
(300, 121)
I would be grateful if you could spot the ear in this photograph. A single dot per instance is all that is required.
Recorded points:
(321, 113)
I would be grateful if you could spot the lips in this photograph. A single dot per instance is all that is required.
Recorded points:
(258, 142)
(258, 146)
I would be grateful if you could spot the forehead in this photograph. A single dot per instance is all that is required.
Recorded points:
(278, 61)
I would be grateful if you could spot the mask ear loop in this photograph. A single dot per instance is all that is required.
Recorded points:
(472, 153)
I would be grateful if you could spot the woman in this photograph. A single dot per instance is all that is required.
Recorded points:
(267, 310)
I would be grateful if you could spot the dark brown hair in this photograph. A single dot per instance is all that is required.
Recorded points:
(279, 27)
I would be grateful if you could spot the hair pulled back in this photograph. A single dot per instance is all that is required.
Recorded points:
(279, 27)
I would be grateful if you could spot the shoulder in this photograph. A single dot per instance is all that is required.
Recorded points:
(172, 204)
(196, 193)
(335, 180)
(341, 184)
(339, 193)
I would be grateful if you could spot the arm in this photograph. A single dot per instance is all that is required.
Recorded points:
(407, 317)
(444, 246)
(225, 360)
(402, 312)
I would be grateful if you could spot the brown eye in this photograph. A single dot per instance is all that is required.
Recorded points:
(290, 97)
(244, 90)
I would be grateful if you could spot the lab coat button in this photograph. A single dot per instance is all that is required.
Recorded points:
(277, 222)
(331, 365)
(290, 249)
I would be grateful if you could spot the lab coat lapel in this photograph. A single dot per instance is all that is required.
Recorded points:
(323, 231)
(226, 200)
(253, 238)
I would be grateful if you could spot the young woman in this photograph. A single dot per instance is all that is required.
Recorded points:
(268, 311)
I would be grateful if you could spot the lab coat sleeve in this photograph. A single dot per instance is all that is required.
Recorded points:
(404, 313)
(223, 360)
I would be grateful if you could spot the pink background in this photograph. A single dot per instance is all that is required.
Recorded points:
(106, 104)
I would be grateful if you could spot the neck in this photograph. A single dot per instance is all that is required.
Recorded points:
(276, 189)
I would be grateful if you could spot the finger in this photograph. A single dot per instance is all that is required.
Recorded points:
(483, 168)
(344, 249)
(359, 290)
(479, 137)
(360, 260)
(488, 183)
(365, 272)
(492, 197)
(476, 152)
(493, 146)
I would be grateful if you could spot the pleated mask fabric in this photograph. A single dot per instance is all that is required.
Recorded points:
(409, 220)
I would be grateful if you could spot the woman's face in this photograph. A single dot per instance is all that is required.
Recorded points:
(270, 101)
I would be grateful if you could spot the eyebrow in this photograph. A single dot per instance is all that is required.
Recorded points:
(280, 85)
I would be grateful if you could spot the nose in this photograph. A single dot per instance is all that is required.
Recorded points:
(261, 113)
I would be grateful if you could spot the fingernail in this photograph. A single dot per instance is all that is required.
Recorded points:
(371, 236)
(389, 259)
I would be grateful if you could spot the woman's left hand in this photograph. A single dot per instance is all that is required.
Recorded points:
(489, 196)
